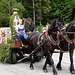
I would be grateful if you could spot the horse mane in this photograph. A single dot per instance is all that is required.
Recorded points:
(52, 26)
(69, 26)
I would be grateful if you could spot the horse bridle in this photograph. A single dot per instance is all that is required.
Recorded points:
(67, 38)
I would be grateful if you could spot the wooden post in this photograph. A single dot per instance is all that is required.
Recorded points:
(33, 11)
(74, 14)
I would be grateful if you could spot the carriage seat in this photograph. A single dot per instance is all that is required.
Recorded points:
(16, 43)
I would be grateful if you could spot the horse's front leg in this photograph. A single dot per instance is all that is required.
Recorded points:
(45, 66)
(31, 62)
(59, 63)
(49, 59)
(71, 60)
(54, 70)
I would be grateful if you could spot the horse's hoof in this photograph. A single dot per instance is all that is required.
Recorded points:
(32, 68)
(45, 71)
(59, 67)
(56, 74)
(73, 71)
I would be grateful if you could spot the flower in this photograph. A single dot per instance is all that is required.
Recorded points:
(3, 32)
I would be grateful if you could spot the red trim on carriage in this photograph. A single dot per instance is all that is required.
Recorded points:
(47, 38)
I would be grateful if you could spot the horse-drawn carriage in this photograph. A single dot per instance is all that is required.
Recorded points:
(62, 40)
(18, 52)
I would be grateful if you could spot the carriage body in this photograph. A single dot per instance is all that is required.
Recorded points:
(17, 52)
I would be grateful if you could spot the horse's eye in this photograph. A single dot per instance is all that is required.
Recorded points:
(57, 23)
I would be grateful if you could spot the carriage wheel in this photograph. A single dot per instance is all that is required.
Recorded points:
(13, 58)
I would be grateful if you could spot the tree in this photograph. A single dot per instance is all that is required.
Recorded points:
(42, 8)
(6, 10)
(36, 8)
(33, 11)
(61, 8)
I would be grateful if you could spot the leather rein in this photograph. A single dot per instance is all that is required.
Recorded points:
(65, 37)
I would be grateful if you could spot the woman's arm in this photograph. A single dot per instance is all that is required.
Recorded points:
(24, 31)
(17, 31)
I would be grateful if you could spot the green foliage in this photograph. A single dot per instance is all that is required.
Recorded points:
(39, 28)
(45, 10)
(6, 10)
(5, 52)
(62, 9)
(9, 41)
(13, 32)
(42, 8)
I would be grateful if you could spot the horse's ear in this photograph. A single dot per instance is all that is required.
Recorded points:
(56, 21)
(61, 19)
(52, 26)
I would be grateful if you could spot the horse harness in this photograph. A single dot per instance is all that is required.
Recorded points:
(57, 42)
(40, 43)
(66, 38)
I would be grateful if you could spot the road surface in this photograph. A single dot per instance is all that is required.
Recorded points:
(22, 68)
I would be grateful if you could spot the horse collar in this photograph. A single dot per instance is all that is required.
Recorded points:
(51, 39)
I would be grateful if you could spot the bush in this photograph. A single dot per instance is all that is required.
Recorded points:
(5, 52)
(9, 41)
(39, 28)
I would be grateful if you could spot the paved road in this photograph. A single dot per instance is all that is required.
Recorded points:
(23, 67)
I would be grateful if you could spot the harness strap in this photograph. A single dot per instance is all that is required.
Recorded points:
(74, 38)
(35, 50)
(51, 39)
(40, 36)
(68, 40)
(53, 42)
(62, 51)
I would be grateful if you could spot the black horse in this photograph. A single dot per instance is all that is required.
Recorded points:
(68, 44)
(48, 47)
